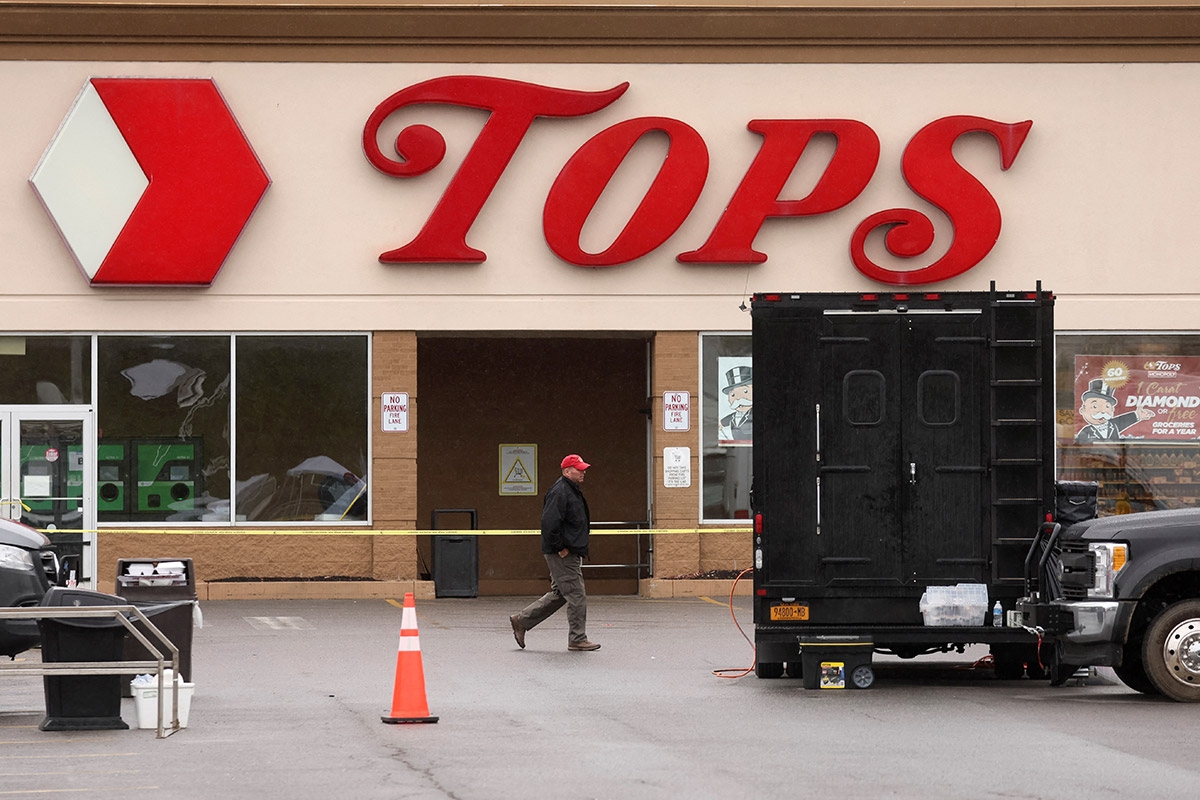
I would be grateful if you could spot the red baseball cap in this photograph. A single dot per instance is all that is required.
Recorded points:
(575, 461)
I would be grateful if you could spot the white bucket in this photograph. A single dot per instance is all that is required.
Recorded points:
(145, 702)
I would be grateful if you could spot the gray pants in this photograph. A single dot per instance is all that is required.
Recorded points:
(566, 589)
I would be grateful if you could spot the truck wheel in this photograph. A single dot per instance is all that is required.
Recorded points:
(794, 669)
(1171, 651)
(769, 669)
(1133, 674)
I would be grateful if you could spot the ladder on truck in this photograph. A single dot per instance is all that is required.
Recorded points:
(1021, 442)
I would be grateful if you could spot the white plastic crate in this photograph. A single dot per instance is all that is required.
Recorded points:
(145, 701)
(963, 605)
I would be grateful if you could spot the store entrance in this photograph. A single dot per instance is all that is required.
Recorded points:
(48, 478)
(495, 418)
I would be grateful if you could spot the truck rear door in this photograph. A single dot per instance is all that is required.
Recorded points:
(901, 458)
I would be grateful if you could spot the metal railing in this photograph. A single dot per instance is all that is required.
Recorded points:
(643, 544)
(122, 614)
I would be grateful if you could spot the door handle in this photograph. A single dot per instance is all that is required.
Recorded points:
(912, 473)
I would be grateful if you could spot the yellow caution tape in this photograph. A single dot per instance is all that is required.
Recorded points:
(383, 532)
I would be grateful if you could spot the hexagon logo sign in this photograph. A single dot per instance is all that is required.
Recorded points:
(150, 181)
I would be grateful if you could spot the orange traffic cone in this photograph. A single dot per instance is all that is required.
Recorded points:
(408, 696)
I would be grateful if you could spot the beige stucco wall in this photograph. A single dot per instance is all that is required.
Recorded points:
(1097, 204)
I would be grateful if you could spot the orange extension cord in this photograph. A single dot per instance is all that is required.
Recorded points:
(738, 673)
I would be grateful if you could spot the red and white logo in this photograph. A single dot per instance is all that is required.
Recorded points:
(150, 181)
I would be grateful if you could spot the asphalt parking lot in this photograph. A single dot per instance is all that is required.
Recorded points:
(290, 694)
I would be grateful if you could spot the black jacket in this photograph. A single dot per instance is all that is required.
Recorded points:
(565, 519)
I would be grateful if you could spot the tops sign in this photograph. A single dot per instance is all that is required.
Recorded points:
(928, 164)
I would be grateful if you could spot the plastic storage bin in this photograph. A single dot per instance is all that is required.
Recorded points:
(964, 605)
(145, 701)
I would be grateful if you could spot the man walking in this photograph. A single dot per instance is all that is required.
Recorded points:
(565, 527)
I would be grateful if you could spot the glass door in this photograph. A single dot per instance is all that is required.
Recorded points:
(48, 478)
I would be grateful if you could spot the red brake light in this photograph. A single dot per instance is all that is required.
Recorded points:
(761, 592)
(758, 523)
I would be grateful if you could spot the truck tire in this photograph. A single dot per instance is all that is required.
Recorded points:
(769, 669)
(1171, 651)
(794, 669)
(1133, 674)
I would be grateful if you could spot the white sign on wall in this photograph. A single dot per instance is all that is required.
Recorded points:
(677, 411)
(393, 411)
(518, 469)
(677, 467)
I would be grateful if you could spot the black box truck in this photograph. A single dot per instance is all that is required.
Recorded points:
(903, 470)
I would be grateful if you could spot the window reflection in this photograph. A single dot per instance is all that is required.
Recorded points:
(163, 435)
(302, 417)
(45, 370)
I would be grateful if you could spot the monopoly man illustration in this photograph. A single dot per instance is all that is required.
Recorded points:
(1097, 405)
(737, 427)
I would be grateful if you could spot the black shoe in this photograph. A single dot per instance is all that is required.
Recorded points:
(518, 631)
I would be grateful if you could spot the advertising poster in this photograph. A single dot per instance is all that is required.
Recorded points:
(735, 420)
(1148, 398)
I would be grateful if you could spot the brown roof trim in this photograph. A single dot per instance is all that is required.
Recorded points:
(525, 33)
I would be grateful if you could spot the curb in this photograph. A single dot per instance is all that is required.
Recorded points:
(312, 590)
(660, 588)
(650, 588)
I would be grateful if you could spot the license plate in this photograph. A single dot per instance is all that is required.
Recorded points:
(793, 612)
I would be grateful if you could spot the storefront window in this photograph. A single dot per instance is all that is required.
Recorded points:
(1128, 418)
(727, 425)
(45, 370)
(302, 428)
(163, 428)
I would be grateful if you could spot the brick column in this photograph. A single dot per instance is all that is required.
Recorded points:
(394, 458)
(675, 368)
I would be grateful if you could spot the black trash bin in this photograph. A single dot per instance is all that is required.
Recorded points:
(82, 702)
(455, 558)
(164, 589)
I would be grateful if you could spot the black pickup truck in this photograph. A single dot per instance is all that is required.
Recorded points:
(1122, 592)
